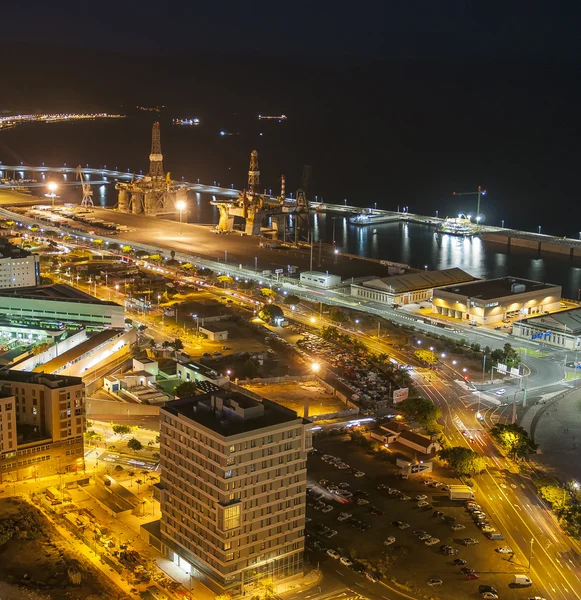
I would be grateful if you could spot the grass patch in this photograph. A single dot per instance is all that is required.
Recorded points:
(535, 353)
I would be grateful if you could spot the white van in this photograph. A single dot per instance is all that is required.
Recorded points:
(522, 580)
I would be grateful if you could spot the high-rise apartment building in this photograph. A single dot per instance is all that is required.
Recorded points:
(233, 489)
(18, 268)
(42, 424)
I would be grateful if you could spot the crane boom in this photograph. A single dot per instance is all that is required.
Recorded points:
(480, 192)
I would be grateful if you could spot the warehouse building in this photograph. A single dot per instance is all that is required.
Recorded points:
(496, 300)
(407, 289)
(320, 279)
(57, 305)
(562, 329)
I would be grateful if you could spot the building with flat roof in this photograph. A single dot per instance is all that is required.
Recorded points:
(407, 289)
(59, 304)
(18, 268)
(233, 489)
(561, 329)
(48, 423)
(496, 300)
(320, 279)
(215, 333)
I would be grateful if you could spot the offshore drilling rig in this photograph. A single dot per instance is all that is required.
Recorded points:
(154, 194)
(255, 207)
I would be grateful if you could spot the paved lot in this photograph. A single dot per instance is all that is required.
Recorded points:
(295, 395)
(414, 563)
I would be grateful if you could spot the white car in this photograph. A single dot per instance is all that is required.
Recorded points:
(424, 537)
(108, 459)
(500, 392)
(505, 550)
(458, 527)
(422, 503)
(404, 497)
(432, 542)
(344, 516)
(421, 497)
(389, 541)
(362, 501)
(433, 582)
(489, 596)
(403, 525)
(333, 554)
(327, 509)
(346, 561)
(359, 474)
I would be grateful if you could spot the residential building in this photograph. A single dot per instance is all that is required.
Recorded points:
(399, 290)
(496, 300)
(233, 489)
(45, 415)
(18, 268)
(59, 304)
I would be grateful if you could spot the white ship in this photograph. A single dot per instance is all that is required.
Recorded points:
(460, 225)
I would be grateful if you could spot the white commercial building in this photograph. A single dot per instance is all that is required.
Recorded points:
(319, 279)
(18, 268)
(49, 305)
(561, 329)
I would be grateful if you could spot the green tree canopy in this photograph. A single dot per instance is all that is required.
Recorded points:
(291, 299)
(268, 293)
(422, 410)
(463, 460)
(134, 444)
(514, 440)
(270, 312)
(121, 429)
(186, 389)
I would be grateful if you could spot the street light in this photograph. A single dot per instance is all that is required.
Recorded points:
(180, 205)
(316, 367)
(52, 187)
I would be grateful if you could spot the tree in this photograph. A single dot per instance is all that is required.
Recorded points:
(250, 368)
(223, 597)
(330, 333)
(337, 315)
(268, 293)
(188, 267)
(426, 356)
(119, 468)
(422, 410)
(127, 249)
(463, 460)
(557, 497)
(270, 312)
(138, 482)
(225, 279)
(121, 429)
(131, 476)
(514, 440)
(134, 444)
(155, 456)
(156, 257)
(93, 437)
(98, 242)
(157, 438)
(186, 389)
(114, 246)
(292, 300)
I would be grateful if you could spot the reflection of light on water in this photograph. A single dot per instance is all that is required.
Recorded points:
(316, 226)
(103, 195)
(405, 244)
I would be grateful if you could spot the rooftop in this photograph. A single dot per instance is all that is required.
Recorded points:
(419, 281)
(231, 413)
(8, 250)
(497, 288)
(416, 438)
(46, 379)
(566, 321)
(53, 292)
(214, 328)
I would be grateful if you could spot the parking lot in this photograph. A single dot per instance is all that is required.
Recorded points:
(354, 516)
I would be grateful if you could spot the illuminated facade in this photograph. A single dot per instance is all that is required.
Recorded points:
(233, 489)
(45, 415)
(496, 300)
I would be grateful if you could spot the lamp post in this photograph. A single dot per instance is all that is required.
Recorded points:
(52, 189)
(180, 205)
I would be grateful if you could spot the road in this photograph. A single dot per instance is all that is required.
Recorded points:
(510, 498)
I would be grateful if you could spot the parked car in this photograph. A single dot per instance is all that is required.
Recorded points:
(333, 554)
(389, 541)
(491, 595)
(421, 497)
(372, 577)
(346, 561)
(458, 527)
(505, 550)
(432, 542)
(434, 582)
(403, 525)
(459, 562)
(422, 504)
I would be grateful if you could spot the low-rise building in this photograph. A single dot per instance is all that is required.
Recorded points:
(215, 333)
(496, 300)
(399, 290)
(45, 415)
(561, 329)
(320, 279)
(193, 371)
(59, 304)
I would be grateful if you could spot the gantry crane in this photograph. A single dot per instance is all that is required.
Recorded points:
(87, 191)
(480, 193)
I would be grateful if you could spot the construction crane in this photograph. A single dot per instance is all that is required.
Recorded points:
(302, 202)
(479, 193)
(87, 191)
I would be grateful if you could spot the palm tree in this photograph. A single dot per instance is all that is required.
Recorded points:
(131, 476)
(138, 482)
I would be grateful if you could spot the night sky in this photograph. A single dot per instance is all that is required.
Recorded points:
(406, 101)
